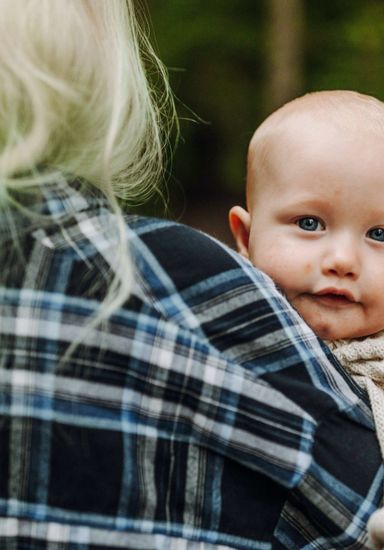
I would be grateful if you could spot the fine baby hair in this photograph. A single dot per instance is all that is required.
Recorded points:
(345, 110)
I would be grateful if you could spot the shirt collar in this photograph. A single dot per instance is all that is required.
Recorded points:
(53, 201)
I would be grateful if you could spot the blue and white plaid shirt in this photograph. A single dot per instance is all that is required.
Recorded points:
(203, 414)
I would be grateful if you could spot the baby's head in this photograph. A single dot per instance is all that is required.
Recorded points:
(315, 210)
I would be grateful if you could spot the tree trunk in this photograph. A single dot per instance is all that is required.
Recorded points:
(285, 52)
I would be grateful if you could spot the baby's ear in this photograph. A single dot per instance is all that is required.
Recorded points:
(240, 224)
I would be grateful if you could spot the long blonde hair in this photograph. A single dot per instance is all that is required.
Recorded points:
(75, 99)
(72, 86)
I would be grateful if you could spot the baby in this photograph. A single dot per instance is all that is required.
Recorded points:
(315, 223)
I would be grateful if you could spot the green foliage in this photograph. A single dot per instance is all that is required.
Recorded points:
(345, 47)
(213, 50)
(217, 58)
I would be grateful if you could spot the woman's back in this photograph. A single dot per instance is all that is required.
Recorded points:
(175, 421)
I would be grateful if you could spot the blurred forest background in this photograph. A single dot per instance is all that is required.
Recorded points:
(232, 62)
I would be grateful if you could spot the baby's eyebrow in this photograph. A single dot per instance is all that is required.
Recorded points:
(310, 202)
(307, 205)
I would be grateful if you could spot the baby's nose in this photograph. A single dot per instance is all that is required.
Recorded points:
(342, 260)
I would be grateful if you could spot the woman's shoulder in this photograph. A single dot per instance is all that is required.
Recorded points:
(189, 254)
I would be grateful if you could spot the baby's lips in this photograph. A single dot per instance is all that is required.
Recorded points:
(344, 293)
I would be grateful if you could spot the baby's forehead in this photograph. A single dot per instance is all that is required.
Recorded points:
(311, 125)
(346, 116)
(341, 111)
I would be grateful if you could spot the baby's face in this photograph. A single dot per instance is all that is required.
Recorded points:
(316, 226)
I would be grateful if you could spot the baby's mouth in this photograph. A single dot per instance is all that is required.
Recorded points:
(335, 298)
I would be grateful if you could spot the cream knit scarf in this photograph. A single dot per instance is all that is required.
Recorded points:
(364, 360)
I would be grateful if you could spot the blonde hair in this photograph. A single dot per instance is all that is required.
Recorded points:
(75, 99)
(347, 110)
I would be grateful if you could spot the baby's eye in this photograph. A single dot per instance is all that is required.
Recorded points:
(310, 224)
(377, 234)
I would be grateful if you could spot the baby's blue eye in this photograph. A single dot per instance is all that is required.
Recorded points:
(377, 234)
(309, 224)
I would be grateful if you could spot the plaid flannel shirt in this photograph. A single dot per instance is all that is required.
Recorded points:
(203, 414)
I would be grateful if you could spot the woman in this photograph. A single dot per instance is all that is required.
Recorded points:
(156, 390)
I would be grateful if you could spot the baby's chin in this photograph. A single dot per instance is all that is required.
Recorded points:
(337, 321)
(330, 331)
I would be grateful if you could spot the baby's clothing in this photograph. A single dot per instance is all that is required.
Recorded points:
(363, 358)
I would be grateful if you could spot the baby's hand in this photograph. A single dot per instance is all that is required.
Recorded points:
(376, 529)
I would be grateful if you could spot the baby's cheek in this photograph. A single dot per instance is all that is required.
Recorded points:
(307, 268)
